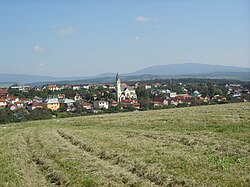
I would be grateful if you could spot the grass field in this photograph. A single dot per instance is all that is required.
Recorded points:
(195, 146)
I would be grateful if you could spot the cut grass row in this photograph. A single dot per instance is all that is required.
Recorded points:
(197, 146)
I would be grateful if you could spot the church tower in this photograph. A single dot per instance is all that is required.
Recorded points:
(118, 89)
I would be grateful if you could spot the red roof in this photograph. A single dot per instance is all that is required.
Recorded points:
(11, 97)
(127, 101)
(86, 104)
(2, 100)
(36, 104)
(183, 96)
(3, 93)
(158, 99)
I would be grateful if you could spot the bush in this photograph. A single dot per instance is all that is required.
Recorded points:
(39, 114)
(6, 116)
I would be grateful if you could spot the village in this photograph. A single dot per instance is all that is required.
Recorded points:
(67, 99)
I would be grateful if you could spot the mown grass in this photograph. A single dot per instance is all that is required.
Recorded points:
(195, 146)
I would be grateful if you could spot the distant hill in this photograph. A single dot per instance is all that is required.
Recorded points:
(24, 78)
(187, 69)
(154, 72)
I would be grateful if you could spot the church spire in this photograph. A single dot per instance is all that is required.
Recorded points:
(117, 76)
(118, 88)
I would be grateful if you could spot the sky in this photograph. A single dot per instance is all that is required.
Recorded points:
(84, 38)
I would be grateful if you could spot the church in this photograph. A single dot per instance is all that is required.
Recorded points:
(124, 93)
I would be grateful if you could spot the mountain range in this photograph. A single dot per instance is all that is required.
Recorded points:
(186, 70)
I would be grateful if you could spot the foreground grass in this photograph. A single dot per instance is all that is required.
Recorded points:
(197, 146)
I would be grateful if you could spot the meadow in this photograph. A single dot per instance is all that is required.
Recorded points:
(191, 146)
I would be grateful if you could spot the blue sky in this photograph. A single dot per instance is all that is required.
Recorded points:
(83, 38)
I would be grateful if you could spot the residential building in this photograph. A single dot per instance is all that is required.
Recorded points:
(3, 103)
(35, 105)
(86, 105)
(53, 87)
(68, 104)
(3, 93)
(101, 104)
(52, 104)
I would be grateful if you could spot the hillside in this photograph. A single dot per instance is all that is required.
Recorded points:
(188, 69)
(195, 146)
(191, 70)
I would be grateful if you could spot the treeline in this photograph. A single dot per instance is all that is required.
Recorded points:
(8, 116)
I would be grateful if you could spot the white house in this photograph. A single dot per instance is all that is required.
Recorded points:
(172, 94)
(34, 105)
(68, 104)
(85, 87)
(76, 87)
(3, 103)
(101, 104)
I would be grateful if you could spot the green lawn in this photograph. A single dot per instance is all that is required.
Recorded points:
(193, 146)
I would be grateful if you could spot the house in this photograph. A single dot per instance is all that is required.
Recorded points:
(37, 88)
(147, 86)
(156, 103)
(172, 94)
(129, 103)
(76, 87)
(111, 86)
(85, 105)
(52, 104)
(157, 85)
(35, 105)
(25, 100)
(37, 99)
(61, 96)
(19, 104)
(77, 97)
(68, 104)
(113, 103)
(21, 88)
(101, 104)
(3, 103)
(159, 101)
(174, 102)
(196, 94)
(183, 97)
(3, 93)
(12, 99)
(12, 107)
(219, 99)
(53, 87)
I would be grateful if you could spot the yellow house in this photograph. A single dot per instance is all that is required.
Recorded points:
(52, 104)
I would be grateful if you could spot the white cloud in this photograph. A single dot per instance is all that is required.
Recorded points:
(38, 49)
(143, 19)
(66, 31)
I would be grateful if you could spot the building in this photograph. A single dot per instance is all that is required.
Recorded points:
(53, 87)
(3, 103)
(3, 93)
(68, 104)
(52, 104)
(86, 105)
(118, 89)
(101, 104)
(34, 105)
(113, 103)
(124, 92)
